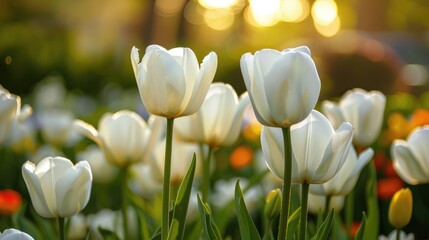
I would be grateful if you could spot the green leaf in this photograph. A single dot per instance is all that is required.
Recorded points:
(371, 231)
(174, 230)
(323, 232)
(182, 200)
(361, 231)
(209, 227)
(107, 234)
(293, 223)
(248, 229)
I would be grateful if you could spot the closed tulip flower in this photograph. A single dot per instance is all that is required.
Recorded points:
(318, 151)
(283, 86)
(57, 187)
(218, 121)
(411, 157)
(9, 110)
(123, 137)
(170, 82)
(364, 110)
(14, 234)
(401, 208)
(345, 180)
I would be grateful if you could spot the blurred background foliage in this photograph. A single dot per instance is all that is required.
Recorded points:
(356, 43)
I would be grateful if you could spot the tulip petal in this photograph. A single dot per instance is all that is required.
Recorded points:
(406, 165)
(38, 199)
(87, 130)
(135, 59)
(333, 113)
(418, 146)
(164, 86)
(74, 188)
(335, 154)
(201, 85)
(293, 86)
(272, 148)
(235, 127)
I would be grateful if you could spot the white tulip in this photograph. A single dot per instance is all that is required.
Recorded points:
(102, 170)
(57, 187)
(283, 86)
(123, 137)
(218, 121)
(392, 236)
(170, 82)
(57, 127)
(364, 110)
(9, 110)
(14, 234)
(411, 157)
(318, 151)
(345, 180)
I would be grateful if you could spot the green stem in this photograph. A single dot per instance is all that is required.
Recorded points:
(61, 228)
(304, 209)
(206, 175)
(124, 202)
(165, 225)
(350, 201)
(398, 234)
(284, 215)
(267, 235)
(327, 203)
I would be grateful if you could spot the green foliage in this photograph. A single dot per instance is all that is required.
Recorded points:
(324, 229)
(248, 229)
(210, 229)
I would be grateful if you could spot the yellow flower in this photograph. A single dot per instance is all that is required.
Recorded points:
(401, 208)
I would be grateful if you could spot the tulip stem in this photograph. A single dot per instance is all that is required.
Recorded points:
(268, 233)
(165, 225)
(206, 176)
(349, 211)
(327, 203)
(125, 202)
(398, 234)
(61, 228)
(304, 209)
(284, 215)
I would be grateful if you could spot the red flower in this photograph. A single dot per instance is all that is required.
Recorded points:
(387, 187)
(10, 201)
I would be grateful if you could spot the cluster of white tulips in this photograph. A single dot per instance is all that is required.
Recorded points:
(317, 155)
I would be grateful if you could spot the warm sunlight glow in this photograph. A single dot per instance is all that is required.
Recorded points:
(217, 3)
(219, 19)
(324, 12)
(262, 13)
(329, 30)
(293, 10)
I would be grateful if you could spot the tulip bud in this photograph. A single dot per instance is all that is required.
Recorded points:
(401, 208)
(273, 204)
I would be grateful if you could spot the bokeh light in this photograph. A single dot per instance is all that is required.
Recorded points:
(324, 12)
(219, 19)
(330, 29)
(293, 10)
(217, 3)
(262, 13)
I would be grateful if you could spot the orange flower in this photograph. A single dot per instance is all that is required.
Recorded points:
(241, 157)
(420, 117)
(10, 201)
(387, 187)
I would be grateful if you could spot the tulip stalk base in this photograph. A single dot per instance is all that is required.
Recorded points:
(124, 207)
(61, 228)
(304, 210)
(206, 176)
(284, 215)
(165, 225)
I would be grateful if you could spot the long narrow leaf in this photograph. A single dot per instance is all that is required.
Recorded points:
(361, 231)
(210, 229)
(292, 222)
(371, 231)
(248, 229)
(182, 199)
(325, 228)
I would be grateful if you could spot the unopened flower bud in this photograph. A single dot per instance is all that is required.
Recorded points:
(273, 203)
(401, 208)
